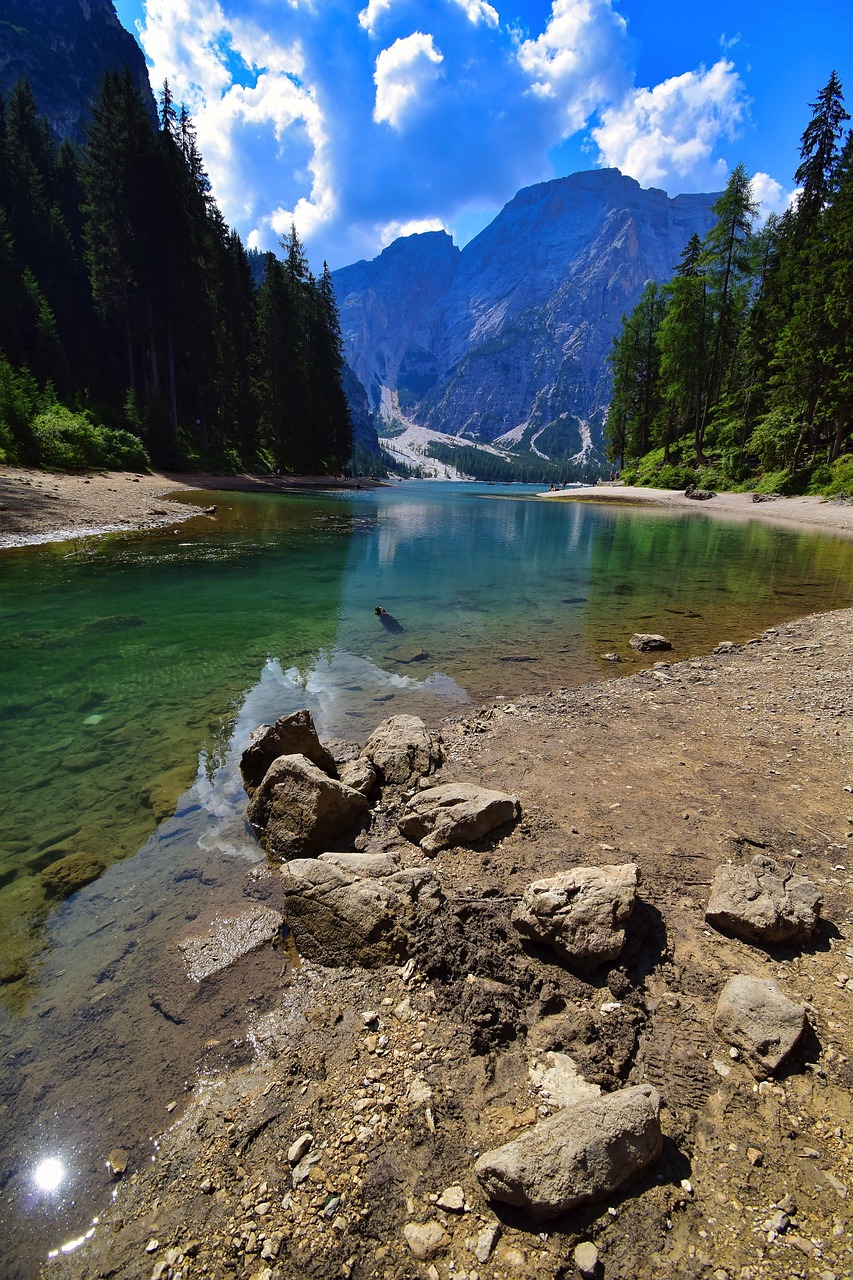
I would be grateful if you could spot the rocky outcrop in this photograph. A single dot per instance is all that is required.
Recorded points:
(580, 913)
(455, 813)
(755, 1017)
(497, 340)
(402, 750)
(298, 809)
(582, 1153)
(341, 918)
(291, 735)
(764, 902)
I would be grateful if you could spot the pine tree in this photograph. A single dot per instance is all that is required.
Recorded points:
(635, 360)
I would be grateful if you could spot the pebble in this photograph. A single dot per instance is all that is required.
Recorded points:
(452, 1199)
(586, 1258)
(486, 1241)
(425, 1239)
(300, 1148)
(117, 1162)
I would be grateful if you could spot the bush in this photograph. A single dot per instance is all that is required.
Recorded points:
(774, 441)
(71, 441)
(840, 483)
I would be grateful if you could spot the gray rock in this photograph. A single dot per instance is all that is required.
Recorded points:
(299, 809)
(455, 813)
(425, 1239)
(402, 750)
(764, 902)
(580, 913)
(646, 642)
(580, 1154)
(699, 495)
(586, 1258)
(373, 865)
(229, 938)
(486, 1241)
(359, 774)
(339, 919)
(753, 1015)
(292, 735)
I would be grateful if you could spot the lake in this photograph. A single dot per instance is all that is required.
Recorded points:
(134, 669)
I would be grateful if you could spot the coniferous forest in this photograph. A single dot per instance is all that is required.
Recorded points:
(132, 329)
(738, 372)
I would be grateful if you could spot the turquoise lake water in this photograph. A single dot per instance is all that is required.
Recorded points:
(134, 668)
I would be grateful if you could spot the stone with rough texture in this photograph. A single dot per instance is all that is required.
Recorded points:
(402, 749)
(359, 774)
(556, 1079)
(227, 939)
(68, 874)
(339, 919)
(298, 809)
(764, 902)
(455, 813)
(580, 1154)
(580, 913)
(425, 1239)
(646, 642)
(292, 735)
(753, 1015)
(586, 1258)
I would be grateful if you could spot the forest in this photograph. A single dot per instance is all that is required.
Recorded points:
(136, 329)
(738, 372)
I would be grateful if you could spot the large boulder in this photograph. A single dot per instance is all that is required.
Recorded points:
(582, 1153)
(339, 918)
(581, 914)
(298, 809)
(402, 750)
(228, 939)
(764, 902)
(292, 735)
(753, 1015)
(455, 813)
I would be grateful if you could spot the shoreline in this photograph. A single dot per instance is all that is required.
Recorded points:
(39, 507)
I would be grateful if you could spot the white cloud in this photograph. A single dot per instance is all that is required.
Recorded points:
(578, 60)
(414, 227)
(671, 132)
(404, 73)
(771, 195)
(369, 17)
(476, 11)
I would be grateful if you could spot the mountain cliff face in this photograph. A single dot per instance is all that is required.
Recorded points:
(507, 340)
(63, 48)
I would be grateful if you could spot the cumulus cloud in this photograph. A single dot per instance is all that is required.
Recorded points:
(578, 60)
(478, 11)
(414, 227)
(666, 133)
(369, 17)
(404, 74)
(770, 195)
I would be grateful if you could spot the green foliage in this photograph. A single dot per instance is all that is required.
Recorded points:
(64, 441)
(840, 482)
(774, 441)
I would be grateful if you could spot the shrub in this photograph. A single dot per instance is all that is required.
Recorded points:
(66, 441)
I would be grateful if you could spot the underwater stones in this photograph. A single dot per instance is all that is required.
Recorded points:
(298, 809)
(228, 939)
(582, 1153)
(291, 735)
(647, 642)
(763, 902)
(455, 813)
(71, 873)
(755, 1017)
(581, 914)
(402, 750)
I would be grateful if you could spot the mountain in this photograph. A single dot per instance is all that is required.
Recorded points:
(63, 48)
(505, 342)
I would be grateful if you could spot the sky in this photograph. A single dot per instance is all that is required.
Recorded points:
(363, 120)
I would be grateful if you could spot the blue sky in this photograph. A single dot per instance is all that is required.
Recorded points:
(362, 120)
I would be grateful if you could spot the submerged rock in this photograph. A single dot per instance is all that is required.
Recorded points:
(228, 939)
(455, 813)
(402, 750)
(582, 1153)
(764, 902)
(68, 874)
(298, 809)
(580, 913)
(292, 735)
(753, 1015)
(647, 642)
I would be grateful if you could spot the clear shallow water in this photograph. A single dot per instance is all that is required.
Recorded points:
(134, 670)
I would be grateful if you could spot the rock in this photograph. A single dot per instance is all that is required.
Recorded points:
(452, 1199)
(117, 1162)
(402, 750)
(372, 865)
(425, 1239)
(580, 913)
(763, 902)
(298, 809)
(360, 775)
(292, 735)
(227, 939)
(699, 495)
(753, 1015)
(725, 646)
(646, 642)
(611, 657)
(299, 1148)
(765, 497)
(339, 919)
(68, 874)
(404, 656)
(486, 1241)
(556, 1078)
(580, 1154)
(455, 813)
(586, 1258)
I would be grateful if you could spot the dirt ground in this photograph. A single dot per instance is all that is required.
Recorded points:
(402, 1075)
